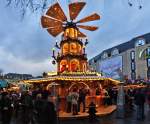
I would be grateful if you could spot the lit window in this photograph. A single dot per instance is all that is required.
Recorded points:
(132, 55)
(74, 65)
(92, 60)
(148, 51)
(105, 55)
(133, 75)
(140, 42)
(148, 73)
(148, 62)
(115, 52)
(132, 66)
(65, 48)
(73, 48)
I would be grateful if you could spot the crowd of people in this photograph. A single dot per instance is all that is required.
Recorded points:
(38, 106)
(27, 107)
(74, 99)
(137, 99)
(78, 97)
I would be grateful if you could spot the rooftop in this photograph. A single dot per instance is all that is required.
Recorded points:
(124, 46)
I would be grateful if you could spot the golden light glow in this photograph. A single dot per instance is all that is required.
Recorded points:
(75, 66)
(73, 48)
(84, 67)
(65, 48)
(71, 32)
(74, 79)
(79, 49)
(51, 73)
(63, 65)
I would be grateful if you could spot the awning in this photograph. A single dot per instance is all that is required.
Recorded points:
(3, 83)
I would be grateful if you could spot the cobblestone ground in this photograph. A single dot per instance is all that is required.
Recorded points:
(111, 119)
(130, 118)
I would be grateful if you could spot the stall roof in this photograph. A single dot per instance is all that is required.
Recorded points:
(3, 83)
(70, 78)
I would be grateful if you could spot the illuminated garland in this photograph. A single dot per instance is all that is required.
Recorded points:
(80, 73)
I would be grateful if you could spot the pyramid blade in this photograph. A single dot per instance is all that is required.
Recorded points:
(91, 28)
(92, 17)
(54, 31)
(55, 11)
(80, 34)
(49, 22)
(75, 8)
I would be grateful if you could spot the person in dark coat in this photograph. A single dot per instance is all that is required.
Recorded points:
(110, 93)
(74, 98)
(140, 101)
(148, 96)
(6, 108)
(45, 110)
(27, 107)
(92, 112)
(82, 95)
(69, 100)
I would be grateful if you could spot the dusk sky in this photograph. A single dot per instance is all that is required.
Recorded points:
(25, 47)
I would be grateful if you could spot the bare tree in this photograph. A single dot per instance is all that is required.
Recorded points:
(132, 3)
(1, 71)
(32, 5)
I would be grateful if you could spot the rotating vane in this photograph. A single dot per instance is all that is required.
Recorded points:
(55, 20)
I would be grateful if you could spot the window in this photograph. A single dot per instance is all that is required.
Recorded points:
(133, 75)
(93, 61)
(148, 73)
(148, 62)
(65, 48)
(79, 49)
(74, 65)
(115, 52)
(132, 54)
(140, 42)
(73, 48)
(84, 67)
(105, 55)
(148, 51)
(132, 65)
(63, 65)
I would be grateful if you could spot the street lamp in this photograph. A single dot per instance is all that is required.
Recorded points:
(55, 99)
(53, 55)
(120, 101)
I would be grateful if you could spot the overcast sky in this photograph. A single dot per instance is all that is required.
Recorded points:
(25, 47)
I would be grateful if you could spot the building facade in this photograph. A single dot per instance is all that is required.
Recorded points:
(129, 60)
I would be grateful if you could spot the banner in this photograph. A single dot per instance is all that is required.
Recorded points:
(112, 68)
